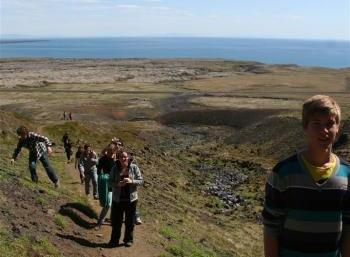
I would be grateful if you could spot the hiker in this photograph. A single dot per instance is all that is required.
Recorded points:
(39, 148)
(67, 144)
(77, 159)
(124, 179)
(118, 146)
(307, 202)
(70, 116)
(104, 167)
(87, 163)
(64, 115)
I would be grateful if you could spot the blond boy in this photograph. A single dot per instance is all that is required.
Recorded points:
(307, 203)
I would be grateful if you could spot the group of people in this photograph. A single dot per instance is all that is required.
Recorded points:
(113, 174)
(307, 202)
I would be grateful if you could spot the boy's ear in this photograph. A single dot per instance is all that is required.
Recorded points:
(341, 124)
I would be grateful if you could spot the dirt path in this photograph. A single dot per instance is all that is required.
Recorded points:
(142, 247)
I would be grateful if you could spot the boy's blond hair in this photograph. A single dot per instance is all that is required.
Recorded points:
(320, 104)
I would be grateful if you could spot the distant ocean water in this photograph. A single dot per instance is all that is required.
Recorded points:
(333, 54)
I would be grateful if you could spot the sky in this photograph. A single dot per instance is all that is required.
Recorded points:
(299, 19)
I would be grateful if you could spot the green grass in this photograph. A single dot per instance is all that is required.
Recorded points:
(175, 250)
(24, 246)
(179, 244)
(40, 200)
(60, 221)
(169, 233)
(188, 248)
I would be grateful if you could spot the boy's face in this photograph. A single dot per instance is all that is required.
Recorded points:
(22, 135)
(321, 131)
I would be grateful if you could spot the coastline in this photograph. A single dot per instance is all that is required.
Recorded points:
(40, 72)
(18, 41)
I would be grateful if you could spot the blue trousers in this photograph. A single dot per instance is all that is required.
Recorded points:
(48, 168)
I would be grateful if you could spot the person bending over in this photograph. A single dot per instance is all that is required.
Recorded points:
(39, 148)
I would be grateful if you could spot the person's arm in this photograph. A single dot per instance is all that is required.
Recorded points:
(137, 180)
(99, 165)
(345, 246)
(345, 249)
(76, 162)
(273, 213)
(112, 180)
(81, 163)
(93, 158)
(17, 150)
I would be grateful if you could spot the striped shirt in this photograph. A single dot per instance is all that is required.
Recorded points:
(35, 143)
(308, 218)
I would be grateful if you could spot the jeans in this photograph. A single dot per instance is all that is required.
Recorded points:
(118, 211)
(93, 177)
(48, 168)
(105, 209)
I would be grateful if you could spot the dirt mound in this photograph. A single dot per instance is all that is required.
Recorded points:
(277, 136)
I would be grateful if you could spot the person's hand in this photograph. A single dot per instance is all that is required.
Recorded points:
(12, 161)
(127, 180)
(121, 183)
(49, 150)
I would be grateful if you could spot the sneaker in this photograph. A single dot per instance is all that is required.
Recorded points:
(98, 226)
(128, 244)
(57, 184)
(138, 221)
(112, 244)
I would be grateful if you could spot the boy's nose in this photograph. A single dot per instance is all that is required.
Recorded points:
(324, 129)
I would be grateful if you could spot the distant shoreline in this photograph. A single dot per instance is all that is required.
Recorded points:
(16, 41)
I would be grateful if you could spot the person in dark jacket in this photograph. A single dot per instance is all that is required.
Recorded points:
(104, 167)
(124, 179)
(67, 144)
(87, 163)
(39, 148)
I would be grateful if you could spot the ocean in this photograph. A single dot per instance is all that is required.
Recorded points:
(331, 54)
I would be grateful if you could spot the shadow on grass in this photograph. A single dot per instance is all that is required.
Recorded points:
(84, 242)
(75, 211)
(75, 183)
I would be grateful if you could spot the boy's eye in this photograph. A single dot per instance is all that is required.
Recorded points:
(330, 124)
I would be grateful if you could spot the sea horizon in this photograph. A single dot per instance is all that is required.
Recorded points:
(330, 53)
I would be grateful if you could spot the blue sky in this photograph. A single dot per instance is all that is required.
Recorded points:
(302, 19)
